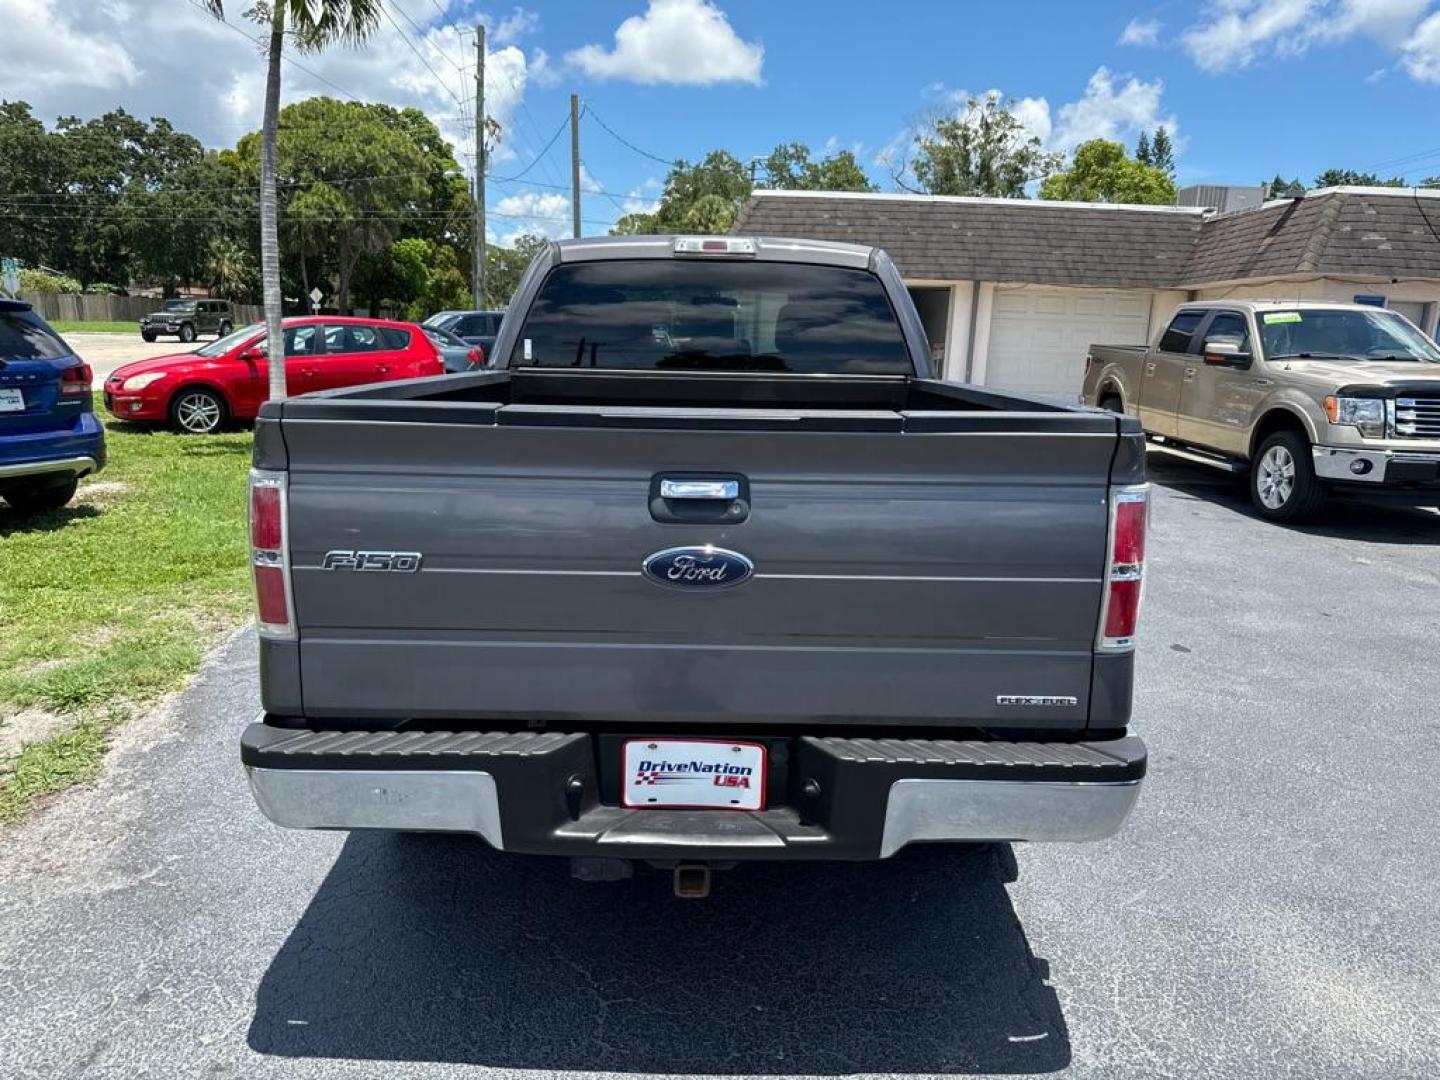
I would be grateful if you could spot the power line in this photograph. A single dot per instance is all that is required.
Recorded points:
(590, 111)
(385, 10)
(537, 158)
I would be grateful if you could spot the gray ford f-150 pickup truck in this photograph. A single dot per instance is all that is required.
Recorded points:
(711, 569)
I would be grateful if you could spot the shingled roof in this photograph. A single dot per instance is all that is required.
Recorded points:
(1360, 231)
(1363, 231)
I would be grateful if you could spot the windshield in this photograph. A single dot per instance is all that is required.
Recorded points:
(223, 345)
(696, 315)
(178, 305)
(1341, 334)
(23, 336)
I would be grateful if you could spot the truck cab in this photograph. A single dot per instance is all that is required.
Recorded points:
(1305, 397)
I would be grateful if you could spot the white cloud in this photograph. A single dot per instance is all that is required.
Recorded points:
(531, 212)
(85, 57)
(1110, 112)
(1105, 111)
(41, 44)
(515, 26)
(1142, 32)
(1237, 33)
(1422, 51)
(675, 41)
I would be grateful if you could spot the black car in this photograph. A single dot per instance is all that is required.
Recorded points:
(476, 327)
(188, 319)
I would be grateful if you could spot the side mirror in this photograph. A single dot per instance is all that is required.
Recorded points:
(1220, 352)
(477, 356)
(252, 355)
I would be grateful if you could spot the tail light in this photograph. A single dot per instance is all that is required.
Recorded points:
(270, 554)
(1124, 567)
(76, 380)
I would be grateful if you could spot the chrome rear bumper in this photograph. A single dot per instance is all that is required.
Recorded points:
(73, 466)
(914, 811)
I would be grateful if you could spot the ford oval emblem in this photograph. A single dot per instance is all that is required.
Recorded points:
(701, 567)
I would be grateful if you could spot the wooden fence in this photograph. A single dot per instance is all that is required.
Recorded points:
(75, 307)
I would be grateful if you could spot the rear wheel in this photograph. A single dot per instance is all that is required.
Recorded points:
(1283, 485)
(187, 332)
(197, 412)
(36, 500)
(225, 329)
(1112, 403)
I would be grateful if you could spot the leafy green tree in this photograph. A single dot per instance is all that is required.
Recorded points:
(1280, 188)
(357, 176)
(789, 168)
(1162, 153)
(1430, 182)
(314, 25)
(984, 150)
(31, 179)
(1142, 149)
(706, 197)
(1102, 172)
(503, 267)
(1351, 178)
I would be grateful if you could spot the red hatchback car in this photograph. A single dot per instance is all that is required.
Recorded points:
(201, 391)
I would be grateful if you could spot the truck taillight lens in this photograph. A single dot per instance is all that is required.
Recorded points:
(270, 554)
(76, 380)
(1124, 567)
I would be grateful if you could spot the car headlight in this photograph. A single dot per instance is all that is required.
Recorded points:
(140, 382)
(1367, 414)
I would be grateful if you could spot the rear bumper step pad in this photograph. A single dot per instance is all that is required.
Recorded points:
(847, 798)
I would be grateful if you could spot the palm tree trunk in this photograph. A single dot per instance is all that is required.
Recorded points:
(269, 210)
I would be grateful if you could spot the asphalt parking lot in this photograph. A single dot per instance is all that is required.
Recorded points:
(1270, 910)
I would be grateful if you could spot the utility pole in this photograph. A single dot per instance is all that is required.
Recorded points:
(477, 270)
(575, 161)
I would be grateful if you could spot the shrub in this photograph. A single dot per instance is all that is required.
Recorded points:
(43, 281)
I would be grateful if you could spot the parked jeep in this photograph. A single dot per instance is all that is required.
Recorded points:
(1305, 397)
(188, 319)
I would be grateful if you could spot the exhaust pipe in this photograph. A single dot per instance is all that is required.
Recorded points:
(692, 881)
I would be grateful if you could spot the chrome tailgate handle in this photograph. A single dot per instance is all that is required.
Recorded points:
(700, 489)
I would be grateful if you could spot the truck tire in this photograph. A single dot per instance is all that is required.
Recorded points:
(147, 335)
(36, 500)
(187, 332)
(197, 411)
(1283, 485)
(225, 329)
(1112, 403)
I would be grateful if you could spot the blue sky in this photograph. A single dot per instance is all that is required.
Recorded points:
(1251, 86)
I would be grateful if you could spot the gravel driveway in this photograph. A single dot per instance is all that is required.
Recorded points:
(1270, 911)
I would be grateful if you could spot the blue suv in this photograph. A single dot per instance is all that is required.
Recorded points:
(49, 435)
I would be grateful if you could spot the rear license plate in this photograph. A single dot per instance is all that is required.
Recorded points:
(697, 774)
(11, 400)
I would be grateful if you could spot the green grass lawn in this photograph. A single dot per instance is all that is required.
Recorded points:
(130, 326)
(113, 601)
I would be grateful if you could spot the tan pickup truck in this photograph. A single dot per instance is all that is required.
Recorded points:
(1305, 397)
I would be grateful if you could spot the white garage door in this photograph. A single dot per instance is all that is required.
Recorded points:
(1038, 334)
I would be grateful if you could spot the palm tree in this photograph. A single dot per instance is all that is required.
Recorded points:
(314, 24)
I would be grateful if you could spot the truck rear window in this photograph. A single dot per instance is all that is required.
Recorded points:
(696, 315)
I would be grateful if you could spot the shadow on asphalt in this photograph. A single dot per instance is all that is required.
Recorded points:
(1346, 517)
(437, 949)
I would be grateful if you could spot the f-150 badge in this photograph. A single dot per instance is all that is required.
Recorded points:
(400, 562)
(700, 567)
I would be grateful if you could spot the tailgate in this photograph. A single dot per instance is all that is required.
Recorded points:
(898, 577)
